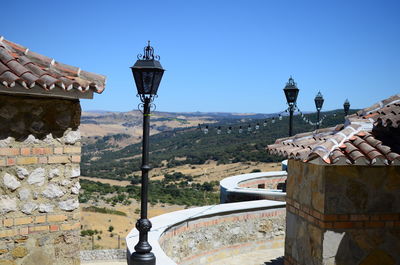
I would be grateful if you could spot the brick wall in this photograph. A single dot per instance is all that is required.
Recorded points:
(39, 168)
(342, 214)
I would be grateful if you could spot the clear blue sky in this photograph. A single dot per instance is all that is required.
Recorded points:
(221, 55)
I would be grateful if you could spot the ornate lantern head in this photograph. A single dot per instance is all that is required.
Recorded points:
(319, 101)
(147, 72)
(291, 91)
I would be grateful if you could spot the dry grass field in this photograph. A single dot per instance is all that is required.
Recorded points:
(209, 171)
(121, 224)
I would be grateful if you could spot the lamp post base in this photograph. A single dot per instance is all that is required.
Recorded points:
(142, 259)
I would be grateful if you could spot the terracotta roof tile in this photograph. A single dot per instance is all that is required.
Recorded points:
(384, 113)
(19, 65)
(352, 143)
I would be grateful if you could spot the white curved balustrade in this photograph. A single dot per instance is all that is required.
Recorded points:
(253, 186)
(194, 236)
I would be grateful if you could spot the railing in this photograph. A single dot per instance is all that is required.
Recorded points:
(253, 186)
(204, 234)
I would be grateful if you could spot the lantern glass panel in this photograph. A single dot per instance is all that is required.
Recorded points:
(147, 75)
(291, 94)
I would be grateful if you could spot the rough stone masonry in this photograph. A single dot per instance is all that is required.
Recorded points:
(39, 167)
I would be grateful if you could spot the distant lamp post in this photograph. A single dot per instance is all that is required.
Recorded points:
(346, 107)
(147, 72)
(291, 93)
(319, 101)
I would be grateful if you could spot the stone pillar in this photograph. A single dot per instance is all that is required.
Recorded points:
(342, 214)
(39, 186)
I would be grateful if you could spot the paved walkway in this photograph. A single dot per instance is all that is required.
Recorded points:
(105, 263)
(259, 257)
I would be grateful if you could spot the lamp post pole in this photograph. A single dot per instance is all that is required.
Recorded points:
(147, 73)
(143, 254)
(291, 110)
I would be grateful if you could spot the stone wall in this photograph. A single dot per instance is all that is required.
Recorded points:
(39, 186)
(342, 214)
(211, 238)
(103, 255)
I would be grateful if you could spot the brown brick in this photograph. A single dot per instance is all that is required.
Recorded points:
(389, 224)
(54, 228)
(374, 224)
(57, 218)
(358, 224)
(3, 251)
(27, 160)
(343, 225)
(316, 214)
(343, 217)
(389, 217)
(10, 161)
(70, 226)
(72, 150)
(58, 150)
(41, 228)
(359, 217)
(329, 217)
(24, 231)
(9, 151)
(42, 160)
(25, 151)
(58, 159)
(42, 151)
(310, 218)
(9, 232)
(76, 159)
(40, 219)
(8, 222)
(374, 218)
(23, 220)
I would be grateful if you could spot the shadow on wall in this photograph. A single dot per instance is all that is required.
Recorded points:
(21, 116)
(372, 246)
(278, 261)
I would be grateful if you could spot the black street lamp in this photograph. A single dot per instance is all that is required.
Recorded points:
(147, 73)
(291, 92)
(319, 101)
(346, 107)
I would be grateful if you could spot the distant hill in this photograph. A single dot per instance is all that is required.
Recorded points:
(176, 140)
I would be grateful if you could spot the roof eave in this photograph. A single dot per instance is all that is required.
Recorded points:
(38, 91)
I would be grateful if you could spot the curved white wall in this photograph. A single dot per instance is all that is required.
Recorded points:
(175, 224)
(232, 188)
